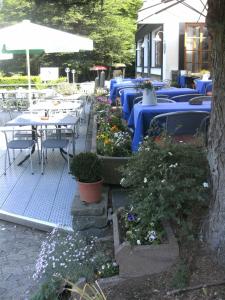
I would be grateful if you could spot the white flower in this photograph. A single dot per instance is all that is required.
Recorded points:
(164, 180)
(205, 185)
(145, 180)
(152, 235)
(122, 181)
(103, 267)
(171, 154)
(138, 242)
(173, 166)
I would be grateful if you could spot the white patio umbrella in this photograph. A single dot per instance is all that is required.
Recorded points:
(27, 37)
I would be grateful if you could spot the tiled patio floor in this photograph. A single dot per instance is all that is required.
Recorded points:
(38, 200)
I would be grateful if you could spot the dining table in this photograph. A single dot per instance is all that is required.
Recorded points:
(37, 120)
(132, 83)
(201, 85)
(128, 96)
(56, 105)
(142, 115)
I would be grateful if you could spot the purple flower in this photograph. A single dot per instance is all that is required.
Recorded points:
(131, 217)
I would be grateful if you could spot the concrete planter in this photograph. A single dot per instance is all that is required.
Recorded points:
(111, 165)
(142, 260)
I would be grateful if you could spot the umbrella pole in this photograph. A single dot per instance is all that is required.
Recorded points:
(28, 75)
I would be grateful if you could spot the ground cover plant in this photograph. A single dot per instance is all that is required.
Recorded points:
(68, 257)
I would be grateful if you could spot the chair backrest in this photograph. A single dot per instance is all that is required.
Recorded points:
(164, 100)
(127, 88)
(137, 99)
(200, 98)
(180, 123)
(162, 96)
(185, 98)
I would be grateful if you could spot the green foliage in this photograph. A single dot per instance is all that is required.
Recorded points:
(181, 276)
(20, 80)
(108, 269)
(138, 232)
(112, 26)
(49, 290)
(168, 181)
(17, 80)
(86, 167)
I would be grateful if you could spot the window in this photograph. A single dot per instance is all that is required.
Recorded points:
(139, 53)
(197, 48)
(157, 48)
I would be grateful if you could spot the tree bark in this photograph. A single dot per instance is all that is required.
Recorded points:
(216, 143)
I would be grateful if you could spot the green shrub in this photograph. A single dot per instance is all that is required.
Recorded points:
(167, 181)
(20, 80)
(86, 167)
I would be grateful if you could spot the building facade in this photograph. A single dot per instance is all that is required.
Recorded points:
(170, 37)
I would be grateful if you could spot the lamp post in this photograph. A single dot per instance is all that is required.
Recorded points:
(73, 73)
(67, 70)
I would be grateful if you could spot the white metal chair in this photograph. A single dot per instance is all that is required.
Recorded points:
(15, 143)
(54, 139)
(185, 98)
(182, 124)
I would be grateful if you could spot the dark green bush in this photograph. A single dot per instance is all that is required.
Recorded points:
(168, 181)
(86, 167)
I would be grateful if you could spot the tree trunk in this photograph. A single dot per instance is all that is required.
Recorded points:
(216, 144)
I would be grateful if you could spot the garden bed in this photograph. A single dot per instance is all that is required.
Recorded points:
(139, 260)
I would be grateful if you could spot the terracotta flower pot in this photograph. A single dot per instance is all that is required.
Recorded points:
(90, 192)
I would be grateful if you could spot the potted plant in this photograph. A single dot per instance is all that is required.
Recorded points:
(149, 96)
(86, 167)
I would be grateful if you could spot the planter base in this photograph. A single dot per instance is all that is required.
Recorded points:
(139, 260)
(111, 165)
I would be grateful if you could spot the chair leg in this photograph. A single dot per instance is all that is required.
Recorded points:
(39, 158)
(31, 162)
(68, 159)
(42, 161)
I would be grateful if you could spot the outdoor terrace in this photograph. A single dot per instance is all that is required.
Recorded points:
(40, 201)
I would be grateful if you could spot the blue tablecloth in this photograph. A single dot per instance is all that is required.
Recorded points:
(114, 92)
(186, 80)
(201, 85)
(114, 81)
(142, 115)
(127, 97)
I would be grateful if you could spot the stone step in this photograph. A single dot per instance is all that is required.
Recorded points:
(80, 208)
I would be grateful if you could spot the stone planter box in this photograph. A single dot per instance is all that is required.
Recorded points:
(139, 260)
(111, 165)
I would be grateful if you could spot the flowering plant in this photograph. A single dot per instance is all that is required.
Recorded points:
(167, 182)
(138, 232)
(113, 138)
(70, 256)
(144, 84)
